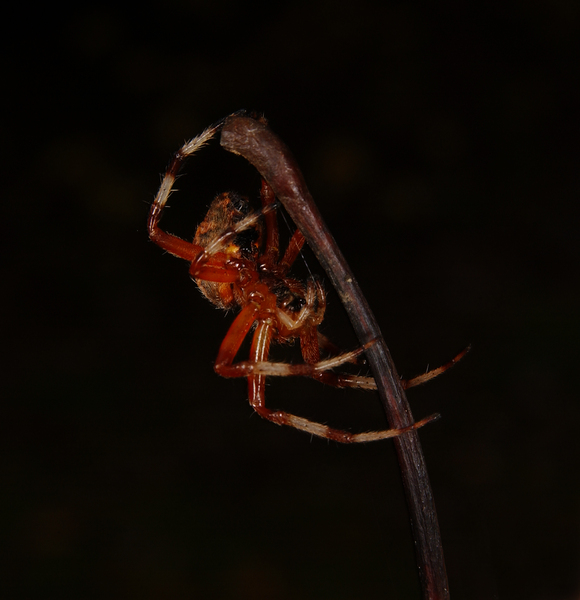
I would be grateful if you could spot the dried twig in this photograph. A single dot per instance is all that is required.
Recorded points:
(253, 140)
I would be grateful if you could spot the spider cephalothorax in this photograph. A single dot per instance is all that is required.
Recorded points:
(236, 262)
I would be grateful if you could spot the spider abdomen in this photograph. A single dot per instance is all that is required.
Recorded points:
(226, 210)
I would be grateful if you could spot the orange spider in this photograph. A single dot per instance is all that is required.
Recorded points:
(235, 261)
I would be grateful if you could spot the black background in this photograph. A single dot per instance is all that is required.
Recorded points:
(441, 144)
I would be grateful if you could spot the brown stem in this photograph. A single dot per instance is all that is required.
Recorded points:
(253, 140)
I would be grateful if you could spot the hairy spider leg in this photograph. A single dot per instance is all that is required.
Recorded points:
(259, 353)
(171, 243)
(206, 263)
(271, 256)
(420, 379)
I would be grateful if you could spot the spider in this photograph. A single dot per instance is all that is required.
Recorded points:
(236, 263)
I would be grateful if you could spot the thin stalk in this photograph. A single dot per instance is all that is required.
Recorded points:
(253, 140)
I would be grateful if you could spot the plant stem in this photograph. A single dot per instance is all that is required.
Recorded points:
(253, 140)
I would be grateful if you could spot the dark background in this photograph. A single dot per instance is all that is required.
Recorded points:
(441, 144)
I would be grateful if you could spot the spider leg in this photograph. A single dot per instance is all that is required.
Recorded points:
(225, 367)
(310, 348)
(321, 371)
(172, 243)
(213, 269)
(368, 383)
(330, 347)
(231, 343)
(272, 246)
(420, 379)
(294, 246)
(256, 388)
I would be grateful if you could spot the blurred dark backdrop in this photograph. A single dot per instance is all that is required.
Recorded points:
(441, 143)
